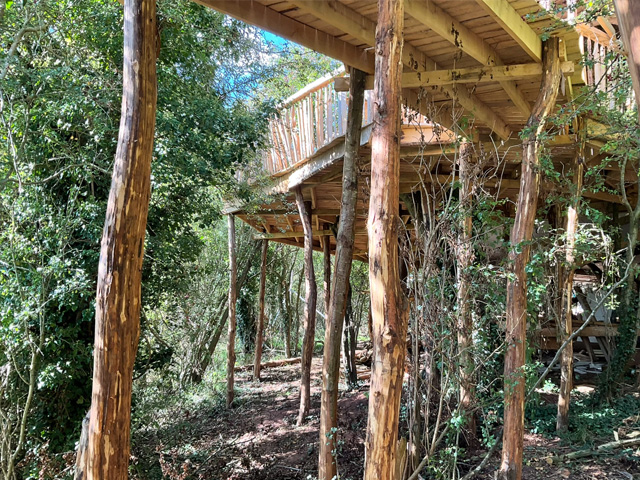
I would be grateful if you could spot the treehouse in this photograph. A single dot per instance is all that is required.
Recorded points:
(470, 75)
(456, 94)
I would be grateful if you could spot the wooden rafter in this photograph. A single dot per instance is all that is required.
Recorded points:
(472, 44)
(511, 21)
(351, 22)
(250, 11)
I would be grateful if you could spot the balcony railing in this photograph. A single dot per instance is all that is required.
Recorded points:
(308, 121)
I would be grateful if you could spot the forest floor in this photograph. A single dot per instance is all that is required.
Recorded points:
(258, 439)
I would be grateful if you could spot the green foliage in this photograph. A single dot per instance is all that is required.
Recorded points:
(589, 422)
(60, 92)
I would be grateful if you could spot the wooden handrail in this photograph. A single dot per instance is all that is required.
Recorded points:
(308, 121)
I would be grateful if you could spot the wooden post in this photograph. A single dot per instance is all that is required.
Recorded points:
(311, 295)
(326, 251)
(327, 468)
(259, 334)
(349, 340)
(628, 13)
(566, 293)
(117, 328)
(389, 304)
(233, 296)
(465, 321)
(521, 234)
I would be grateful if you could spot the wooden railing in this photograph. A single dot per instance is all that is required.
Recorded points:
(597, 42)
(307, 122)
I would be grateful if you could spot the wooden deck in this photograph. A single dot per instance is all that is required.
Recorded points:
(472, 67)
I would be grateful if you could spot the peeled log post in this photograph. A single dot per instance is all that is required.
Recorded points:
(233, 296)
(465, 321)
(345, 238)
(568, 267)
(117, 329)
(521, 234)
(311, 296)
(628, 13)
(259, 333)
(326, 251)
(349, 341)
(389, 304)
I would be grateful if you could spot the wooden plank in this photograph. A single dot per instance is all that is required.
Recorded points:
(463, 75)
(250, 11)
(511, 21)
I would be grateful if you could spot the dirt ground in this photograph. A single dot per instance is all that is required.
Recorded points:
(258, 439)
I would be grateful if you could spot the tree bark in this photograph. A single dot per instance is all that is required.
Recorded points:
(465, 321)
(628, 13)
(521, 234)
(566, 294)
(327, 468)
(117, 329)
(349, 340)
(260, 332)
(389, 304)
(326, 251)
(311, 295)
(233, 297)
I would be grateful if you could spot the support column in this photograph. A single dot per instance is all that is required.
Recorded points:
(465, 321)
(117, 328)
(389, 304)
(568, 267)
(326, 251)
(311, 296)
(327, 468)
(233, 296)
(521, 234)
(259, 334)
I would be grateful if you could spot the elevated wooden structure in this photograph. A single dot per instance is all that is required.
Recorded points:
(471, 67)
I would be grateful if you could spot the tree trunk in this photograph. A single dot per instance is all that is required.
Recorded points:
(349, 341)
(259, 333)
(197, 371)
(465, 321)
(233, 296)
(521, 234)
(326, 250)
(566, 294)
(389, 304)
(117, 327)
(327, 468)
(628, 12)
(311, 295)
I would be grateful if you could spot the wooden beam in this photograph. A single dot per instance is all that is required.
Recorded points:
(351, 22)
(463, 75)
(470, 43)
(511, 21)
(255, 13)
